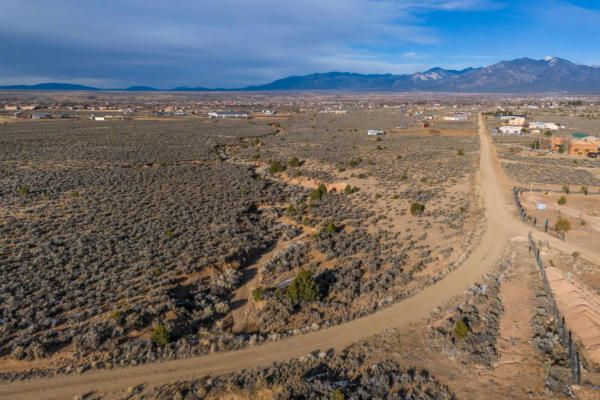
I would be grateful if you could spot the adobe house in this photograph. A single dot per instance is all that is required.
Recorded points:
(582, 144)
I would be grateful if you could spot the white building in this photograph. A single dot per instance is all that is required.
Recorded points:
(458, 116)
(375, 132)
(544, 125)
(228, 114)
(510, 130)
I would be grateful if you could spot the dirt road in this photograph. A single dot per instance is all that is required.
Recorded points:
(501, 225)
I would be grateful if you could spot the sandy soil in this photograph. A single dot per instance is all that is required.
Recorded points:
(581, 310)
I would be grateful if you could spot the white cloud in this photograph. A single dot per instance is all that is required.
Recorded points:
(228, 42)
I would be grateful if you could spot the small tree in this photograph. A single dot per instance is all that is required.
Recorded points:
(24, 190)
(584, 189)
(303, 287)
(461, 330)
(562, 225)
(258, 294)
(460, 152)
(562, 200)
(319, 192)
(117, 316)
(349, 189)
(337, 395)
(275, 167)
(548, 133)
(294, 162)
(416, 208)
(160, 335)
(565, 188)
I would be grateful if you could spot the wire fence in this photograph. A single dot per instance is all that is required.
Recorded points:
(566, 336)
(542, 226)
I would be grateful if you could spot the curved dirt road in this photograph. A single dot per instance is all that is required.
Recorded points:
(501, 225)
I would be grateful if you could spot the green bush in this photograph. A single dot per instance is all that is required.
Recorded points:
(584, 189)
(349, 189)
(461, 330)
(275, 167)
(117, 316)
(416, 208)
(460, 152)
(319, 192)
(24, 190)
(160, 335)
(169, 234)
(337, 395)
(291, 210)
(565, 189)
(294, 162)
(303, 287)
(256, 156)
(258, 294)
(354, 162)
(562, 200)
(562, 225)
(548, 133)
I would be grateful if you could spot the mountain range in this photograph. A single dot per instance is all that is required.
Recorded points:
(522, 75)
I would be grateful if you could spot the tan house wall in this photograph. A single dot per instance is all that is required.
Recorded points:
(581, 148)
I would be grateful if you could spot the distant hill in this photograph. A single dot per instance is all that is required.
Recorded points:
(49, 86)
(523, 75)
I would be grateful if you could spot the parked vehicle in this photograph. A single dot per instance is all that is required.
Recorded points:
(592, 155)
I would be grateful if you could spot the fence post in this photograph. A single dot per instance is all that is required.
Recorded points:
(578, 370)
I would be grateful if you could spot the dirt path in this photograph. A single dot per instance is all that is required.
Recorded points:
(501, 225)
(581, 310)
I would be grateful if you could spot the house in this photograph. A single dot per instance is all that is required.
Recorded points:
(228, 114)
(375, 132)
(41, 116)
(94, 118)
(544, 125)
(510, 130)
(21, 115)
(583, 145)
(269, 112)
(516, 120)
(11, 107)
(460, 116)
(30, 107)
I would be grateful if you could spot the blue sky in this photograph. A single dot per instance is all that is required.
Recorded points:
(234, 43)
